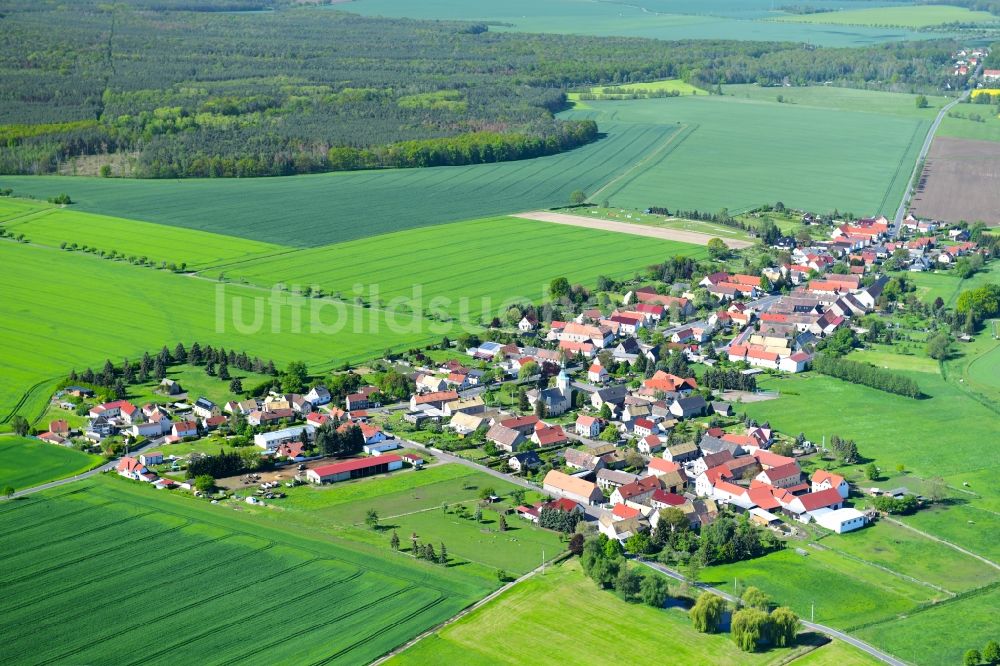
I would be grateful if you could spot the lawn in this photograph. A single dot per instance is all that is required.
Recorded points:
(921, 16)
(845, 592)
(158, 243)
(468, 266)
(946, 435)
(836, 653)
(947, 286)
(975, 365)
(986, 129)
(26, 462)
(555, 617)
(210, 581)
(906, 552)
(860, 162)
(942, 634)
(410, 502)
(90, 309)
(197, 383)
(313, 210)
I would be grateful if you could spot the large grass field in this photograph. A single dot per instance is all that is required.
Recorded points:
(53, 226)
(845, 592)
(410, 502)
(920, 16)
(484, 261)
(314, 210)
(860, 161)
(27, 462)
(182, 580)
(985, 129)
(560, 617)
(941, 634)
(68, 310)
(658, 19)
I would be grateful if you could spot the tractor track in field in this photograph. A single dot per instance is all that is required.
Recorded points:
(675, 139)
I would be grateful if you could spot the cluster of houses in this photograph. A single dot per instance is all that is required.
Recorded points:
(722, 470)
(965, 62)
(781, 337)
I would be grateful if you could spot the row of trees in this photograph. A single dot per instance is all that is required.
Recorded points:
(728, 378)
(751, 626)
(226, 463)
(866, 375)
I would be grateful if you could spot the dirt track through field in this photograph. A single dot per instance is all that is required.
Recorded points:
(628, 228)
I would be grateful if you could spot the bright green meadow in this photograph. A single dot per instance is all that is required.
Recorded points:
(27, 462)
(53, 226)
(211, 580)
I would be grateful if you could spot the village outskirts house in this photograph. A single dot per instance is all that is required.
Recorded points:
(579, 490)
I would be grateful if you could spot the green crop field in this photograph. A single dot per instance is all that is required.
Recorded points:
(53, 226)
(309, 211)
(410, 502)
(921, 16)
(181, 580)
(27, 462)
(842, 99)
(483, 261)
(859, 161)
(88, 309)
(555, 617)
(656, 19)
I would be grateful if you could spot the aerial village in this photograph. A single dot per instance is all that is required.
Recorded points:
(602, 412)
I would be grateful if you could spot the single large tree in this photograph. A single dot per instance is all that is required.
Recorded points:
(706, 614)
(20, 425)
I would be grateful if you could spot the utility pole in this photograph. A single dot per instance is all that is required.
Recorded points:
(812, 612)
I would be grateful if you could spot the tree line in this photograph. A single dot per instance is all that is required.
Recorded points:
(866, 375)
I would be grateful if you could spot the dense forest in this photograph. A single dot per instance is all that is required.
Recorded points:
(170, 92)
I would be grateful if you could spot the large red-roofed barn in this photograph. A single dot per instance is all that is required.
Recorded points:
(354, 469)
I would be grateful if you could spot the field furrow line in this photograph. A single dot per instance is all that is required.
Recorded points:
(158, 556)
(90, 555)
(74, 536)
(221, 627)
(361, 641)
(48, 522)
